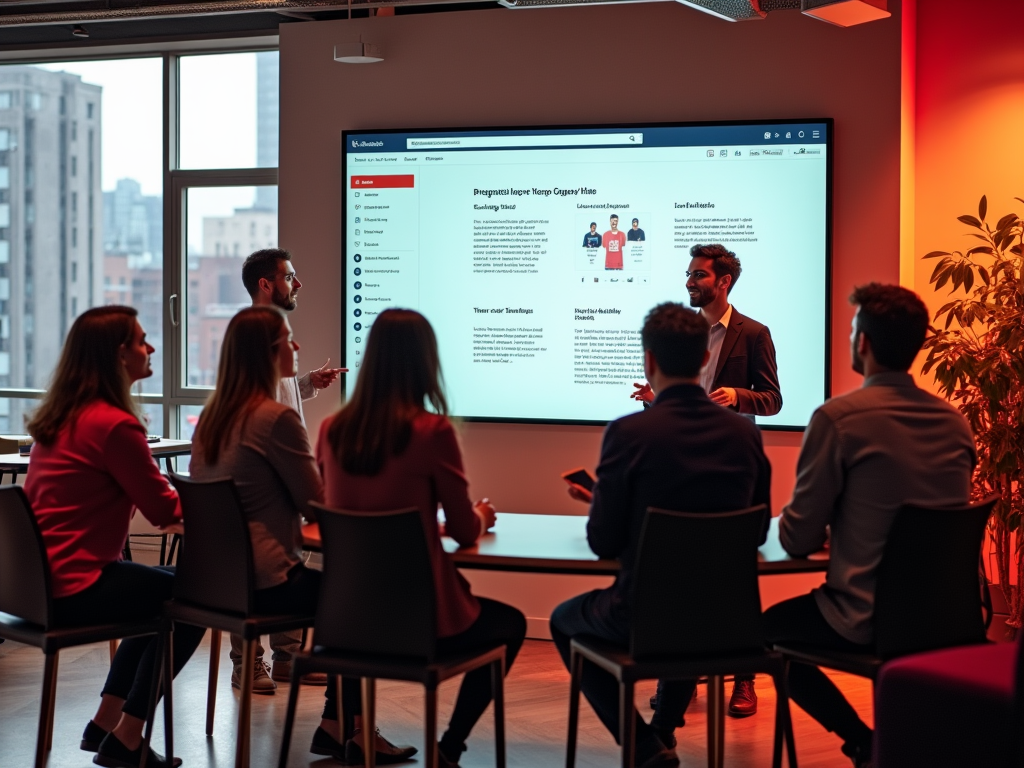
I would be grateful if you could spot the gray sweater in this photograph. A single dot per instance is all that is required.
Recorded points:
(864, 454)
(269, 458)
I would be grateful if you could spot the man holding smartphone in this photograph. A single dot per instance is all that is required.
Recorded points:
(684, 447)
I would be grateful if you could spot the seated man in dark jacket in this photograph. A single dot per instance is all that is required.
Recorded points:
(683, 453)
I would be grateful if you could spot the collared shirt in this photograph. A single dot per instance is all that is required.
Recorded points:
(865, 454)
(293, 390)
(715, 339)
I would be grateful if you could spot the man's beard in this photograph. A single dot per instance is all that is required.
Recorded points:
(704, 296)
(285, 301)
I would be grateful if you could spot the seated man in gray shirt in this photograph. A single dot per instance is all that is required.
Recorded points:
(864, 454)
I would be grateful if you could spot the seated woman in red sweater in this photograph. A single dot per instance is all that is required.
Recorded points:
(384, 450)
(91, 466)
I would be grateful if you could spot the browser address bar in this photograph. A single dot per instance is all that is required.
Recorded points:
(554, 140)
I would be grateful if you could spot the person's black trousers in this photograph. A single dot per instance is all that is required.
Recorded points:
(800, 621)
(580, 616)
(125, 592)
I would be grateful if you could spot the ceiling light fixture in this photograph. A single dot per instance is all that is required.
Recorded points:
(79, 31)
(846, 13)
(358, 53)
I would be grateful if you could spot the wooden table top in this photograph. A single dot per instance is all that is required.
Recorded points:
(164, 449)
(557, 544)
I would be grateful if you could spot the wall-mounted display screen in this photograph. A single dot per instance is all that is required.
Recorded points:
(536, 253)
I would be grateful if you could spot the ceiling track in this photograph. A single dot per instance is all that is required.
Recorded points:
(184, 9)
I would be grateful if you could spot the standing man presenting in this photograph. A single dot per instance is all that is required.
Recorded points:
(269, 277)
(741, 373)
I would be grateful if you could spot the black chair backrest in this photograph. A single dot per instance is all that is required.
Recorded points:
(926, 594)
(377, 594)
(215, 566)
(24, 567)
(1018, 704)
(695, 589)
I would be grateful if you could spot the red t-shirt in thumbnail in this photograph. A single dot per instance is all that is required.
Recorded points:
(613, 243)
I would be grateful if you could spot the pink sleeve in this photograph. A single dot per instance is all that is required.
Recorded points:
(461, 522)
(131, 463)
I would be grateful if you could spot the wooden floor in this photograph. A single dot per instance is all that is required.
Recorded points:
(537, 702)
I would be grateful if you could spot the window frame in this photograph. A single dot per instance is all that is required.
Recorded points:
(176, 183)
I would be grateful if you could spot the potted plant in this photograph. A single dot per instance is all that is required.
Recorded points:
(976, 352)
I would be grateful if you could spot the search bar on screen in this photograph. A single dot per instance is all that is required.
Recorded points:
(554, 140)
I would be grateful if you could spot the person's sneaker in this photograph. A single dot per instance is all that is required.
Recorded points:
(91, 737)
(261, 682)
(387, 753)
(282, 673)
(113, 754)
(744, 701)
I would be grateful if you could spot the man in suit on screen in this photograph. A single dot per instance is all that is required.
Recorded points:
(741, 373)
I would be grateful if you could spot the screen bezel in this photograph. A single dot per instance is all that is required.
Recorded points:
(828, 122)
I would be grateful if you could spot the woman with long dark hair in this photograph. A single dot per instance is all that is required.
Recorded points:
(91, 465)
(244, 433)
(392, 446)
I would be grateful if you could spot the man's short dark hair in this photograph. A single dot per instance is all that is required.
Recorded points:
(613, 216)
(262, 264)
(894, 319)
(723, 261)
(678, 338)
(636, 221)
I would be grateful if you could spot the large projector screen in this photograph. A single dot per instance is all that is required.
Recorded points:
(504, 240)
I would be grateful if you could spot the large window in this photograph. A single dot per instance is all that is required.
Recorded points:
(142, 181)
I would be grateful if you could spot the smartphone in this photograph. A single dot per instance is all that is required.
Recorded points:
(580, 477)
(153, 438)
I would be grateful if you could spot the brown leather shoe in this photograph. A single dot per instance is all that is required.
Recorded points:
(744, 701)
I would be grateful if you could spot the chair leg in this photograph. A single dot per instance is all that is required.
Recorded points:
(430, 729)
(155, 682)
(716, 721)
(245, 704)
(781, 705)
(52, 705)
(576, 675)
(498, 689)
(790, 738)
(289, 720)
(168, 694)
(369, 722)
(113, 649)
(211, 687)
(627, 725)
(49, 684)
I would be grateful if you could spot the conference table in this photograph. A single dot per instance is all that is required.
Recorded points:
(166, 449)
(557, 544)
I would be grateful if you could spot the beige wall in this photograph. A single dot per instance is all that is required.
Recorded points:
(663, 62)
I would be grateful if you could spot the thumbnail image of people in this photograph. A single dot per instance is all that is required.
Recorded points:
(614, 240)
(635, 234)
(591, 239)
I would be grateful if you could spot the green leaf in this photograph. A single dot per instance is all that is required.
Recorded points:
(970, 220)
(980, 249)
(969, 277)
(983, 207)
(935, 254)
